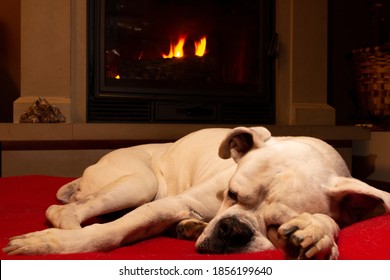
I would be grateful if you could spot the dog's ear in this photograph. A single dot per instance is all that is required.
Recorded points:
(354, 200)
(242, 139)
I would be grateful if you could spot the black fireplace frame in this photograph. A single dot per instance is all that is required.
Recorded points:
(127, 105)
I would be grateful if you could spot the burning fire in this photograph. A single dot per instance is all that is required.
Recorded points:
(200, 47)
(177, 50)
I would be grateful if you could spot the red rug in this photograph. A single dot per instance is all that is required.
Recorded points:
(23, 202)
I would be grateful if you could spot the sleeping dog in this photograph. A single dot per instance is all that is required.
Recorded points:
(231, 190)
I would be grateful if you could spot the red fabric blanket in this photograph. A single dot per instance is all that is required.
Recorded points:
(23, 202)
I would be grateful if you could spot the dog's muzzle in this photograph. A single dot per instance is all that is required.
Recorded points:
(229, 235)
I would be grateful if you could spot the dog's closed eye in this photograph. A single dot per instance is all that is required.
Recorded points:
(232, 195)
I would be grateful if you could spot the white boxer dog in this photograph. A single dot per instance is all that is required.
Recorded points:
(260, 193)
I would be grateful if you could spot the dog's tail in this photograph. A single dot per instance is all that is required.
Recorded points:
(66, 193)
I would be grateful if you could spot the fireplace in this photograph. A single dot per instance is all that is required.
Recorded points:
(181, 61)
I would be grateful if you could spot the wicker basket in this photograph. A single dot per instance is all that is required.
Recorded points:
(372, 75)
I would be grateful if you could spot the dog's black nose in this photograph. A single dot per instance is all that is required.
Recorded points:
(233, 233)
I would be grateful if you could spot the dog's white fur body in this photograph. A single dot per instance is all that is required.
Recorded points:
(260, 192)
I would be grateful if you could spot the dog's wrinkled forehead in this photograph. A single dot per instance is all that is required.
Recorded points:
(254, 168)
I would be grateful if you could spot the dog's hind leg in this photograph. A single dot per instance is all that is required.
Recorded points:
(145, 221)
(201, 202)
(126, 192)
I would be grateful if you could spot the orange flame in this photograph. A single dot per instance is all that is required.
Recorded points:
(200, 47)
(176, 51)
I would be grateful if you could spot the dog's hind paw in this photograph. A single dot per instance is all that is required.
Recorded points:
(190, 229)
(63, 216)
(309, 236)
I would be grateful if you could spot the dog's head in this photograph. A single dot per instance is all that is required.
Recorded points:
(277, 179)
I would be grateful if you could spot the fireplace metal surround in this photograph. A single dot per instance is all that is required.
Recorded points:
(232, 83)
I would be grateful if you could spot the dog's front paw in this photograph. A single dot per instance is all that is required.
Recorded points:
(190, 229)
(309, 236)
(40, 242)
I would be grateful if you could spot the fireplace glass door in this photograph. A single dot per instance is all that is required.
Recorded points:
(208, 61)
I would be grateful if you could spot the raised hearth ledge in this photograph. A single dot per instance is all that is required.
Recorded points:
(158, 132)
